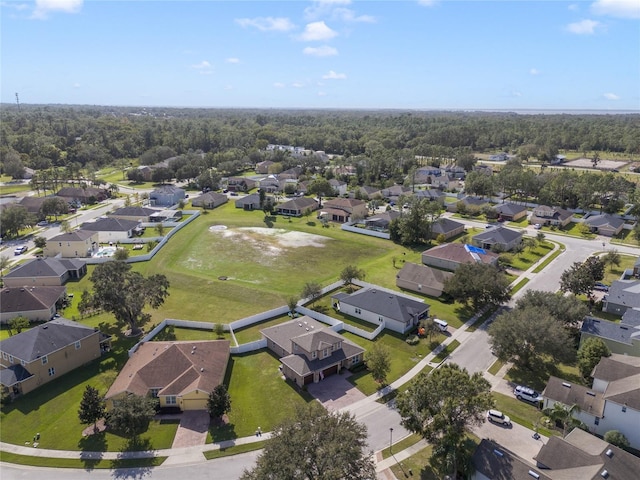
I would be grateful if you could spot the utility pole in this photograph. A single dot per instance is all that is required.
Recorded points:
(18, 101)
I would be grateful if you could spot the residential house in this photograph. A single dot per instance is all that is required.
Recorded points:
(240, 184)
(210, 200)
(166, 216)
(381, 221)
(613, 403)
(45, 352)
(583, 456)
(271, 184)
(553, 216)
(180, 374)
(79, 243)
(111, 229)
(605, 224)
(622, 338)
(468, 202)
(485, 169)
(394, 192)
(450, 256)
(431, 194)
(499, 157)
(342, 210)
(422, 279)
(45, 271)
(136, 214)
(458, 173)
(297, 207)
(368, 193)
(166, 196)
(263, 167)
(445, 182)
(511, 212)
(446, 227)
(251, 202)
(290, 174)
(33, 204)
(492, 461)
(83, 195)
(423, 175)
(622, 295)
(501, 238)
(310, 351)
(36, 303)
(579, 455)
(146, 172)
(339, 186)
(344, 170)
(374, 305)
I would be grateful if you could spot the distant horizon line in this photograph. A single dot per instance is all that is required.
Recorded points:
(539, 111)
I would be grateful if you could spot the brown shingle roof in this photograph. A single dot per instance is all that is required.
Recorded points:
(175, 368)
(616, 367)
(567, 393)
(456, 252)
(29, 298)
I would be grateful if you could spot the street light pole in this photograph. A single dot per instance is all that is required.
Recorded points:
(390, 438)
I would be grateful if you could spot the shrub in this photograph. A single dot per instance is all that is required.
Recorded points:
(413, 340)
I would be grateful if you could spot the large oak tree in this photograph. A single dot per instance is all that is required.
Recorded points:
(125, 293)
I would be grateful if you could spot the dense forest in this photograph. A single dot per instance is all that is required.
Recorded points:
(45, 136)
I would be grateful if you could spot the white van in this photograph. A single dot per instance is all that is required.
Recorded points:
(441, 324)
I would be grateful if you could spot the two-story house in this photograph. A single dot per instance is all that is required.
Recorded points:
(309, 350)
(44, 353)
(555, 216)
(342, 210)
(111, 229)
(79, 243)
(400, 313)
(613, 403)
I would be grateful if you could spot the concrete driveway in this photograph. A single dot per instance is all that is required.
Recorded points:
(516, 438)
(335, 392)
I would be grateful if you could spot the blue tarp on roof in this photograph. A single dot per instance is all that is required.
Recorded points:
(472, 249)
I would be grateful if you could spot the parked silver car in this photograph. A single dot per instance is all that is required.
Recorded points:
(496, 416)
(525, 393)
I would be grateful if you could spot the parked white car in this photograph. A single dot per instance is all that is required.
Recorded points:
(20, 250)
(525, 393)
(496, 416)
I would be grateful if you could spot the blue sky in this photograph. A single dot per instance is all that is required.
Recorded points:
(324, 54)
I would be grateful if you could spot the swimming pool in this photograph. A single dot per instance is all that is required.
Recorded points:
(105, 252)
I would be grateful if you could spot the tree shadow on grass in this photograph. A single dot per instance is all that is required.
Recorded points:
(537, 378)
(122, 465)
(92, 448)
(220, 430)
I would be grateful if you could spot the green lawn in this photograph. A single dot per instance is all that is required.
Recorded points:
(519, 285)
(495, 368)
(448, 350)
(252, 332)
(538, 378)
(89, 464)
(522, 413)
(16, 188)
(52, 411)
(549, 258)
(259, 396)
(524, 260)
(403, 357)
(235, 450)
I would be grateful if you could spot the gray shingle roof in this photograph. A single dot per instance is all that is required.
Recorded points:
(604, 220)
(456, 252)
(510, 208)
(497, 463)
(31, 298)
(13, 374)
(110, 224)
(445, 225)
(301, 203)
(500, 235)
(133, 212)
(567, 393)
(625, 391)
(616, 332)
(424, 275)
(396, 307)
(45, 339)
(45, 267)
(625, 292)
(75, 236)
(616, 367)
(587, 454)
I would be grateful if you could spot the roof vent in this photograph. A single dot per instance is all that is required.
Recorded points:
(201, 369)
(565, 384)
(609, 453)
(498, 453)
(604, 474)
(534, 474)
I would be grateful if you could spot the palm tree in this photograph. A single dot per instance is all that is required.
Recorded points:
(611, 258)
(565, 415)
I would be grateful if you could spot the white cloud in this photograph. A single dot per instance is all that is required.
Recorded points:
(348, 15)
(14, 5)
(574, 7)
(317, 31)
(278, 85)
(297, 84)
(617, 8)
(232, 60)
(76, 85)
(204, 67)
(534, 71)
(427, 3)
(322, 94)
(323, 51)
(44, 7)
(265, 24)
(228, 87)
(334, 76)
(611, 96)
(583, 27)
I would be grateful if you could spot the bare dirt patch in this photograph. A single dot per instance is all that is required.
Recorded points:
(272, 241)
(602, 164)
